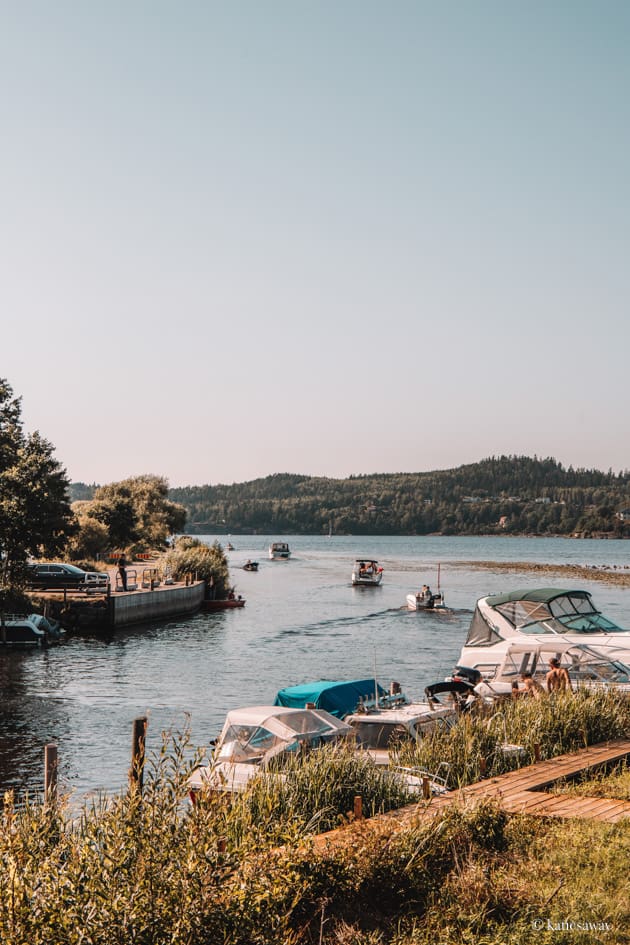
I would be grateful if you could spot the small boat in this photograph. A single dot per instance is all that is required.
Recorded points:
(378, 719)
(426, 600)
(254, 735)
(223, 603)
(366, 573)
(230, 546)
(29, 630)
(279, 550)
(250, 566)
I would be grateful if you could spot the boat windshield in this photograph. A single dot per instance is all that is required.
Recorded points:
(583, 663)
(567, 612)
(246, 743)
(378, 734)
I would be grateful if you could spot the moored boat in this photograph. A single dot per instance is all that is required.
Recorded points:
(379, 720)
(26, 630)
(223, 603)
(254, 735)
(537, 617)
(366, 573)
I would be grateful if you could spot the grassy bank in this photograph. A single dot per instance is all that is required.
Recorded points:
(154, 870)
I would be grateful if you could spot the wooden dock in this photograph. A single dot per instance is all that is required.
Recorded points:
(517, 792)
(521, 791)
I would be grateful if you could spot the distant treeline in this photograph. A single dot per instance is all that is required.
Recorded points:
(500, 495)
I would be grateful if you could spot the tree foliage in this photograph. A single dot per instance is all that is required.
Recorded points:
(499, 495)
(135, 510)
(35, 514)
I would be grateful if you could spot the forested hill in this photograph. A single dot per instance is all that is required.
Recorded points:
(506, 494)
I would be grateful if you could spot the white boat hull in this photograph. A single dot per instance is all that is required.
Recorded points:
(418, 602)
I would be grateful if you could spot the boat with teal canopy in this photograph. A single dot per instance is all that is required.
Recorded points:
(340, 698)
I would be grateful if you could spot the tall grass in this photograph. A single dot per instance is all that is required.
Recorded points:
(151, 869)
(555, 724)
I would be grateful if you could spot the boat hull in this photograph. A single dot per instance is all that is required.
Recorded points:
(222, 604)
(417, 602)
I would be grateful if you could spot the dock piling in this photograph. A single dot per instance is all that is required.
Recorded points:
(138, 739)
(51, 768)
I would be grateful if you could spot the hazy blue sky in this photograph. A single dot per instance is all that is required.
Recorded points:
(333, 237)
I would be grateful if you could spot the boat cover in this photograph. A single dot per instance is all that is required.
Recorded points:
(339, 698)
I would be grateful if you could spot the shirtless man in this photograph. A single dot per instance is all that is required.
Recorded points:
(531, 686)
(557, 678)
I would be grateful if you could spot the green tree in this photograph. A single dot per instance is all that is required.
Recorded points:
(35, 514)
(135, 510)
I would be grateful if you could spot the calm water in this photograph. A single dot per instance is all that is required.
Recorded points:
(302, 621)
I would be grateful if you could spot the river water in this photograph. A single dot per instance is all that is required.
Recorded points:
(302, 621)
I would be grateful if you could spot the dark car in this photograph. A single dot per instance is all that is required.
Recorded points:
(64, 575)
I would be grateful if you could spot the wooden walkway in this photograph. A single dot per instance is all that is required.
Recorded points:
(517, 792)
(520, 791)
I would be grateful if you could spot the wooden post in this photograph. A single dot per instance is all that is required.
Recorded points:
(50, 773)
(483, 767)
(358, 807)
(426, 787)
(221, 845)
(537, 752)
(138, 739)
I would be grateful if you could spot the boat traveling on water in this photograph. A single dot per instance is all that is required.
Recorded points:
(366, 573)
(279, 550)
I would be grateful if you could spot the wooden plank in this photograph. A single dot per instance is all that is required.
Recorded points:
(553, 769)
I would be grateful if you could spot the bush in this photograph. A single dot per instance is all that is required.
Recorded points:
(191, 556)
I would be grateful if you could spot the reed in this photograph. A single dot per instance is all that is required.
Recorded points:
(556, 724)
(151, 869)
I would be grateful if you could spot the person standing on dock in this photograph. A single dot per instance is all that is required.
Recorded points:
(122, 566)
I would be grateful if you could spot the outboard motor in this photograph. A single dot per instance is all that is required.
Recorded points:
(466, 674)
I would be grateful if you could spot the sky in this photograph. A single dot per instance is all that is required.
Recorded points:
(339, 237)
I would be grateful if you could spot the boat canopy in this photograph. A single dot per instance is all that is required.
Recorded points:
(256, 732)
(338, 698)
(551, 610)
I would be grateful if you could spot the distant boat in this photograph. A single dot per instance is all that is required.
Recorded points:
(366, 573)
(224, 604)
(250, 566)
(279, 550)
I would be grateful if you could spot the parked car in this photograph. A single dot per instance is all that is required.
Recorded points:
(58, 575)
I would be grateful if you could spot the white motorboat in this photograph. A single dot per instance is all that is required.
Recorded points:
(425, 599)
(380, 721)
(279, 550)
(366, 573)
(586, 665)
(252, 736)
(539, 617)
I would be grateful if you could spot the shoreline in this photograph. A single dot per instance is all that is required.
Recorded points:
(610, 574)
